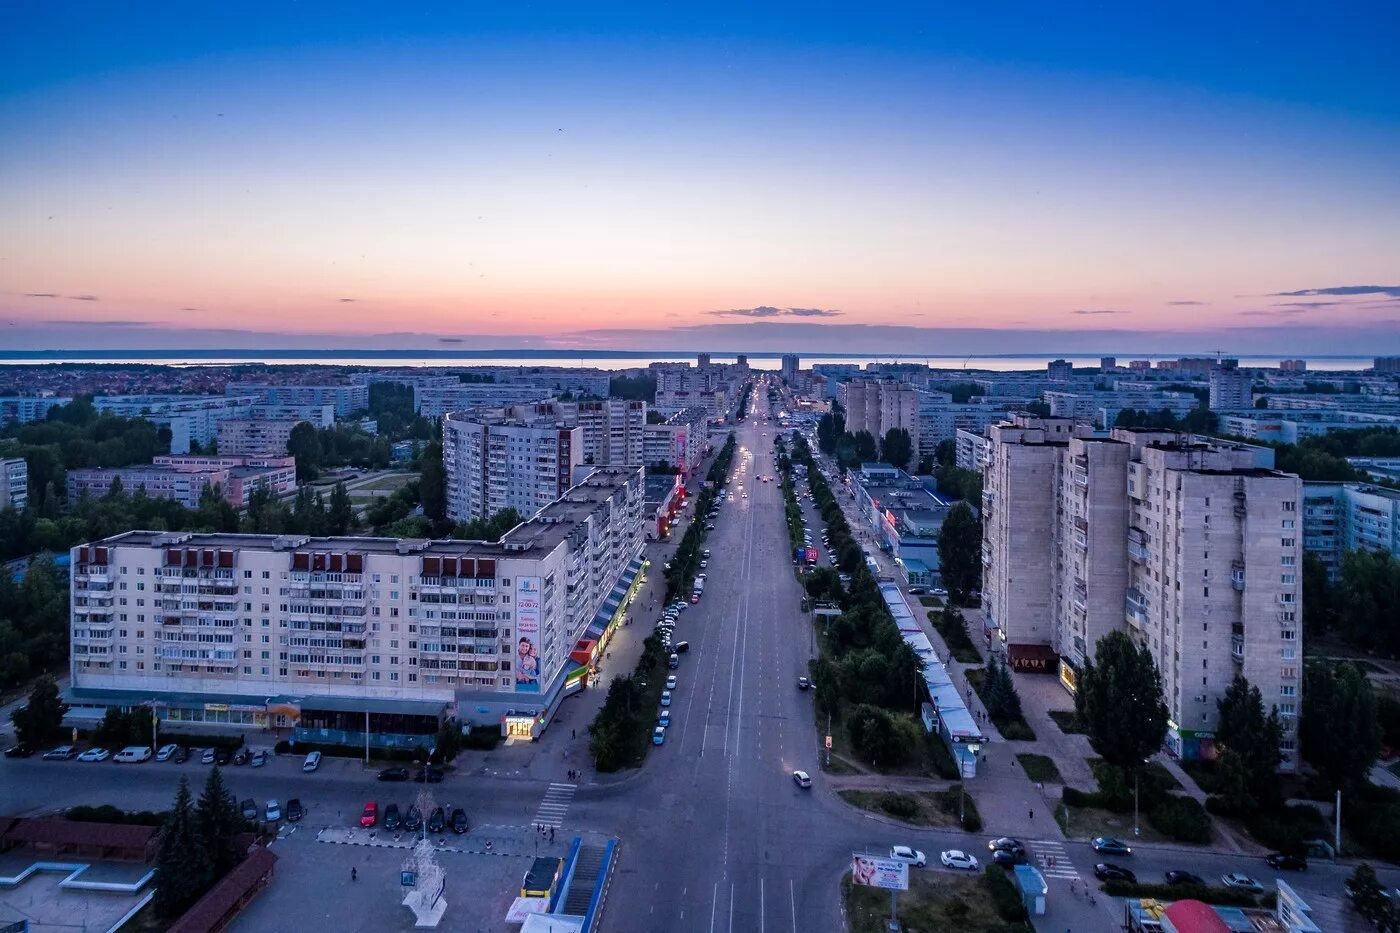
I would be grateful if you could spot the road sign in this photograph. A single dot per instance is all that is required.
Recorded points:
(828, 743)
(408, 878)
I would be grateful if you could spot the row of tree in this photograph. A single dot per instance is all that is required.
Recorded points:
(1200, 420)
(319, 449)
(1359, 606)
(198, 845)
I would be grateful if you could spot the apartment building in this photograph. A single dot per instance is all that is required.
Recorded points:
(436, 401)
(941, 419)
(972, 449)
(880, 406)
(1059, 370)
(1341, 517)
(1102, 408)
(189, 417)
(1386, 364)
(22, 409)
(320, 416)
(517, 457)
(613, 429)
(323, 636)
(184, 478)
(344, 397)
(791, 366)
(14, 483)
(255, 437)
(1154, 533)
(679, 441)
(1290, 427)
(1230, 387)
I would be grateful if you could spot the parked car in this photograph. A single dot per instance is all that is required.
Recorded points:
(1110, 846)
(181, 755)
(167, 752)
(1006, 842)
(249, 809)
(207, 757)
(1238, 879)
(1105, 871)
(956, 858)
(62, 753)
(95, 754)
(312, 762)
(665, 698)
(295, 811)
(370, 814)
(803, 683)
(392, 817)
(1008, 858)
(272, 812)
(259, 758)
(1176, 876)
(801, 779)
(222, 756)
(428, 775)
(413, 819)
(671, 682)
(917, 591)
(437, 821)
(133, 754)
(241, 757)
(658, 735)
(682, 647)
(906, 854)
(394, 774)
(459, 821)
(663, 719)
(19, 751)
(1286, 860)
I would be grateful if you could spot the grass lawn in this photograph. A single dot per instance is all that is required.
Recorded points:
(934, 901)
(1068, 721)
(1153, 768)
(921, 808)
(1203, 773)
(931, 602)
(955, 636)
(1013, 730)
(387, 482)
(1088, 822)
(846, 760)
(1040, 768)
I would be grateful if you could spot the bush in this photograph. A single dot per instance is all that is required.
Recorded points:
(1181, 818)
(1209, 894)
(1005, 898)
(354, 751)
(482, 738)
(1287, 828)
(194, 740)
(106, 813)
(1376, 826)
(956, 798)
(941, 758)
(900, 806)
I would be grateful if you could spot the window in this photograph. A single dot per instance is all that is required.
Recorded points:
(1288, 579)
(1288, 690)
(1289, 542)
(1288, 524)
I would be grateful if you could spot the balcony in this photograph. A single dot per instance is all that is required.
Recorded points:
(1237, 574)
(1135, 607)
(1081, 478)
(1081, 541)
(986, 556)
(1237, 648)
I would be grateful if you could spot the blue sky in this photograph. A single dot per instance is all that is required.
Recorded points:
(543, 170)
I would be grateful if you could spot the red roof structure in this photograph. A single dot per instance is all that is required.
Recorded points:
(1193, 917)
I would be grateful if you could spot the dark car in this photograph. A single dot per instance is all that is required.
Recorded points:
(1184, 877)
(392, 817)
(437, 821)
(295, 811)
(182, 755)
(1288, 861)
(19, 751)
(249, 809)
(1006, 842)
(222, 756)
(1106, 872)
(1111, 846)
(682, 647)
(241, 757)
(459, 821)
(394, 774)
(413, 820)
(428, 776)
(1008, 858)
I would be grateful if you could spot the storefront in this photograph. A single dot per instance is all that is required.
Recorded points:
(1190, 744)
(522, 725)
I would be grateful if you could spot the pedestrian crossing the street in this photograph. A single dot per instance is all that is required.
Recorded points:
(555, 804)
(1053, 860)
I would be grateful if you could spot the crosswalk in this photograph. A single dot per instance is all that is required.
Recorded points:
(1053, 860)
(555, 804)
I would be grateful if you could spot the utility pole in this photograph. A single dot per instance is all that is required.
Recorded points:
(1137, 830)
(366, 738)
(1337, 825)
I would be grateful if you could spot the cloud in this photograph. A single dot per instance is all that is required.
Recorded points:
(1392, 290)
(40, 295)
(767, 311)
(191, 309)
(1277, 311)
(1310, 304)
(450, 340)
(346, 301)
(1185, 304)
(84, 297)
(1098, 311)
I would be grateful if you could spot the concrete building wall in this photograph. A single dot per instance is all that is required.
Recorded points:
(14, 484)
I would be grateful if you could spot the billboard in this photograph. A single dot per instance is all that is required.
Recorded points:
(527, 634)
(875, 871)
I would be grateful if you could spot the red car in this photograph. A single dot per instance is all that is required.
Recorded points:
(370, 816)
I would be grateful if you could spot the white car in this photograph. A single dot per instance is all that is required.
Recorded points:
(1238, 879)
(671, 682)
(312, 762)
(273, 812)
(906, 854)
(955, 858)
(166, 752)
(95, 754)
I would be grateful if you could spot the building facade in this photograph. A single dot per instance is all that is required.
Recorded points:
(190, 418)
(1341, 517)
(1230, 387)
(14, 483)
(22, 409)
(880, 406)
(498, 458)
(437, 401)
(319, 636)
(1191, 546)
(184, 478)
(255, 437)
(345, 398)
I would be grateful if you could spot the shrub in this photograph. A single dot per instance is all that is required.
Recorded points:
(482, 738)
(1181, 818)
(106, 813)
(1376, 826)
(194, 740)
(354, 751)
(1209, 894)
(1287, 828)
(1005, 898)
(956, 799)
(942, 759)
(901, 806)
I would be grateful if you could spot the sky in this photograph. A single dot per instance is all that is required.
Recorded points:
(1021, 177)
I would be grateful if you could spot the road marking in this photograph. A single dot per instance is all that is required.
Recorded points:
(760, 904)
(714, 904)
(731, 908)
(555, 804)
(1063, 868)
(792, 903)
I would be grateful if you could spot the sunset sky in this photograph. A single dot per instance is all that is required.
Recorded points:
(586, 175)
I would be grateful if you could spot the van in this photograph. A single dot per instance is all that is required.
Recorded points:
(133, 754)
(674, 661)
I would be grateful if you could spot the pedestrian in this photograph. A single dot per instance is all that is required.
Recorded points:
(573, 733)
(551, 834)
(1030, 814)
(354, 875)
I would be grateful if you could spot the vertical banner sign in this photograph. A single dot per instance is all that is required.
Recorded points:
(527, 634)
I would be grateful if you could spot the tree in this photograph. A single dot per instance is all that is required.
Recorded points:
(999, 692)
(41, 719)
(898, 448)
(1254, 738)
(342, 512)
(183, 867)
(865, 446)
(1319, 612)
(304, 443)
(1340, 732)
(432, 485)
(960, 552)
(219, 822)
(1120, 702)
(1367, 593)
(1370, 900)
(875, 734)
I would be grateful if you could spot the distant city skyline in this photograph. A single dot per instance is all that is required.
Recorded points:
(628, 177)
